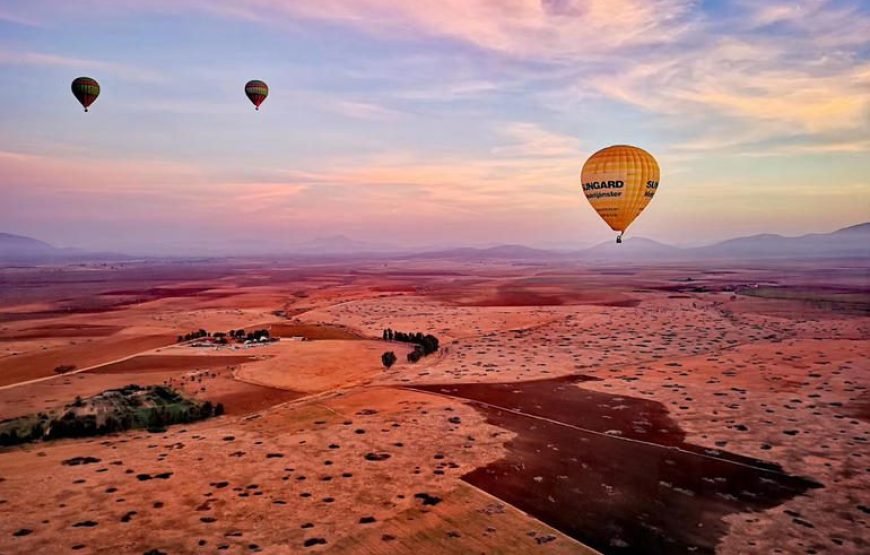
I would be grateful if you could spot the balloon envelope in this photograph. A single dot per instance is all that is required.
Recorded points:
(86, 90)
(257, 92)
(619, 181)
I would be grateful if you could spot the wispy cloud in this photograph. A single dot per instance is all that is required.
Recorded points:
(662, 56)
(523, 28)
(7, 16)
(123, 71)
(532, 141)
(458, 117)
(362, 110)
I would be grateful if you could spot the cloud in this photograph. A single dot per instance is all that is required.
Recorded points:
(523, 28)
(362, 110)
(667, 57)
(476, 113)
(828, 22)
(9, 17)
(89, 175)
(531, 140)
(759, 85)
(449, 90)
(123, 71)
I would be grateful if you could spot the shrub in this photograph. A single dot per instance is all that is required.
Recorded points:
(388, 358)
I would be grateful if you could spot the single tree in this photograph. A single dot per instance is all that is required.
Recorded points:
(388, 358)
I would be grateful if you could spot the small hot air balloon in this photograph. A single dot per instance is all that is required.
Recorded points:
(619, 181)
(86, 90)
(257, 92)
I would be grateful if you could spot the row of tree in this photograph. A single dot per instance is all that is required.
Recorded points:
(222, 338)
(198, 334)
(242, 335)
(424, 345)
(428, 342)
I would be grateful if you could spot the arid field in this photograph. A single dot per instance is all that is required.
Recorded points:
(568, 409)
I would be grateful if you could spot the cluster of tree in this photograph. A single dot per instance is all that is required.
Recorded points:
(23, 434)
(424, 345)
(198, 334)
(167, 407)
(160, 417)
(256, 335)
(221, 338)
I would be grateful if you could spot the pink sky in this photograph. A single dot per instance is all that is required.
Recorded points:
(461, 122)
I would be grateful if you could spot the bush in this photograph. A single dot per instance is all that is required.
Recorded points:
(388, 358)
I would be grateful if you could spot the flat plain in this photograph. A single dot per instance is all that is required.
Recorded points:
(570, 409)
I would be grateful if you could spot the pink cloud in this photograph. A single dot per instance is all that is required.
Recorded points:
(124, 71)
(517, 27)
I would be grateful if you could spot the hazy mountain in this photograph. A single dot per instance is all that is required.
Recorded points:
(849, 242)
(860, 229)
(339, 244)
(500, 252)
(853, 241)
(18, 247)
(21, 249)
(632, 248)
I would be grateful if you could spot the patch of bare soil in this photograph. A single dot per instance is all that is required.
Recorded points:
(614, 471)
(313, 331)
(168, 363)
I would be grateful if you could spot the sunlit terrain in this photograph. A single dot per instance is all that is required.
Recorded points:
(628, 409)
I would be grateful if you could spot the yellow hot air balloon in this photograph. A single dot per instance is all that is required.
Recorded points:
(619, 181)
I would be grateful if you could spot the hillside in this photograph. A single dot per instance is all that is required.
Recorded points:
(20, 247)
(27, 250)
(853, 241)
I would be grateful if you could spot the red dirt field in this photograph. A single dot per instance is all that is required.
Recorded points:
(720, 408)
(40, 363)
(577, 453)
(313, 332)
(60, 330)
(170, 363)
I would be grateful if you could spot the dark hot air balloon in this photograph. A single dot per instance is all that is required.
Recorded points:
(257, 92)
(86, 90)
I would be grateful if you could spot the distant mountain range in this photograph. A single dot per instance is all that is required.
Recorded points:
(338, 244)
(853, 241)
(849, 242)
(21, 249)
(500, 252)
